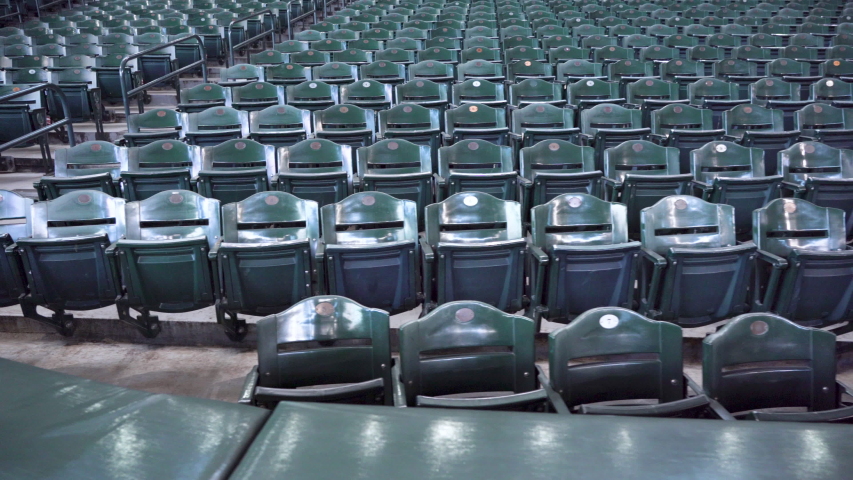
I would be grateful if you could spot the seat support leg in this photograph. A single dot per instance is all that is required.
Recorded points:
(148, 325)
(235, 327)
(64, 323)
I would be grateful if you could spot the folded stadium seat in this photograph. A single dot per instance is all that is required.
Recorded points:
(563, 53)
(689, 246)
(158, 166)
(635, 359)
(820, 174)
(74, 230)
(204, 96)
(612, 54)
(158, 63)
(153, 125)
(638, 173)
(475, 121)
(91, 165)
(215, 125)
(310, 58)
(826, 124)
(15, 214)
(235, 170)
(580, 257)
(538, 122)
(489, 170)
(266, 258)
(657, 54)
(794, 72)
(414, 123)
(290, 46)
(649, 94)
(685, 128)
(628, 71)
(343, 35)
(707, 56)
(368, 45)
(500, 368)
(383, 72)
(399, 168)
(371, 250)
(279, 125)
(523, 52)
(680, 43)
(587, 93)
(344, 357)
(239, 75)
(776, 94)
(396, 55)
(474, 227)
(474, 70)
(163, 260)
(608, 125)
(256, 96)
(572, 71)
(335, 73)
(727, 173)
(531, 90)
(682, 72)
(759, 362)
(804, 54)
(346, 125)
(439, 54)
(833, 90)
(107, 74)
(756, 126)
(24, 115)
(716, 95)
(478, 91)
(317, 169)
(312, 95)
(425, 93)
(551, 168)
(529, 69)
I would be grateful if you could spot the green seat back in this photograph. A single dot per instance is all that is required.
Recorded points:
(287, 74)
(680, 117)
(174, 214)
(744, 118)
(533, 90)
(271, 218)
(577, 219)
(789, 224)
(720, 159)
(383, 71)
(609, 116)
(640, 157)
(90, 158)
(683, 221)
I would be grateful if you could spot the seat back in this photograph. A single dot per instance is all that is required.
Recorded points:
(640, 157)
(324, 340)
(218, 123)
(683, 221)
(158, 166)
(610, 353)
(578, 219)
(370, 218)
(257, 95)
(609, 116)
(761, 361)
(175, 214)
(542, 117)
(750, 117)
(91, 158)
(770, 89)
(466, 347)
(806, 160)
(241, 74)
(316, 169)
(788, 224)
(720, 159)
(154, 120)
(82, 213)
(279, 125)
(681, 118)
(473, 218)
(15, 217)
(820, 116)
(271, 217)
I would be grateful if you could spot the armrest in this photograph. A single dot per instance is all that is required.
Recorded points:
(399, 388)
(657, 138)
(611, 189)
(701, 189)
(247, 393)
(553, 397)
(586, 139)
(777, 264)
(331, 394)
(690, 406)
(538, 264)
(429, 253)
(718, 409)
(428, 262)
(538, 254)
(320, 265)
(486, 403)
(837, 415)
(214, 252)
(649, 290)
(112, 258)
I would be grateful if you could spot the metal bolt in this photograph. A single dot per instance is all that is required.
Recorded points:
(825, 389)
(267, 374)
(526, 374)
(383, 365)
(674, 381)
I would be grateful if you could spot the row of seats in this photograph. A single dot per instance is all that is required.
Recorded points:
(608, 361)
(175, 252)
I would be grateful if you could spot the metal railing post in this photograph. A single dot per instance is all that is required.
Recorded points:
(248, 41)
(66, 113)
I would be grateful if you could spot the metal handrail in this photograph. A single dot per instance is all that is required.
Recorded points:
(66, 113)
(263, 34)
(39, 5)
(125, 95)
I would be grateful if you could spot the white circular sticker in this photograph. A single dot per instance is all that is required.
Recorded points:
(477, 83)
(365, 84)
(721, 148)
(589, 83)
(608, 321)
(312, 85)
(470, 201)
(33, 71)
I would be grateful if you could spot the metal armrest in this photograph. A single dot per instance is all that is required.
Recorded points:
(329, 394)
(718, 409)
(611, 189)
(487, 403)
(778, 264)
(668, 409)
(703, 189)
(247, 393)
(553, 397)
(320, 265)
(399, 388)
(651, 289)
(838, 415)
(215, 250)
(428, 262)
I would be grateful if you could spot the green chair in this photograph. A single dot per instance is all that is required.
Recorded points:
(689, 246)
(306, 352)
(335, 73)
(256, 96)
(64, 259)
(91, 165)
(312, 95)
(639, 173)
(368, 94)
(158, 166)
(241, 74)
(618, 356)
(371, 250)
(473, 249)
(215, 125)
(685, 128)
(163, 260)
(741, 72)
(317, 169)
(533, 90)
(682, 72)
(476, 121)
(279, 125)
(727, 173)
(107, 74)
(346, 125)
(539, 122)
(716, 95)
(396, 55)
(760, 361)
(425, 93)
(774, 93)
(821, 175)
(481, 53)
(756, 126)
(477, 91)
(628, 71)
(551, 168)
(476, 165)
(235, 170)
(153, 125)
(608, 125)
(287, 74)
(826, 124)
(580, 258)
(383, 72)
(649, 94)
(480, 70)
(414, 123)
(204, 96)
(15, 213)
(484, 351)
(529, 69)
(443, 73)
(266, 258)
(159, 63)
(587, 93)
(399, 168)
(439, 54)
